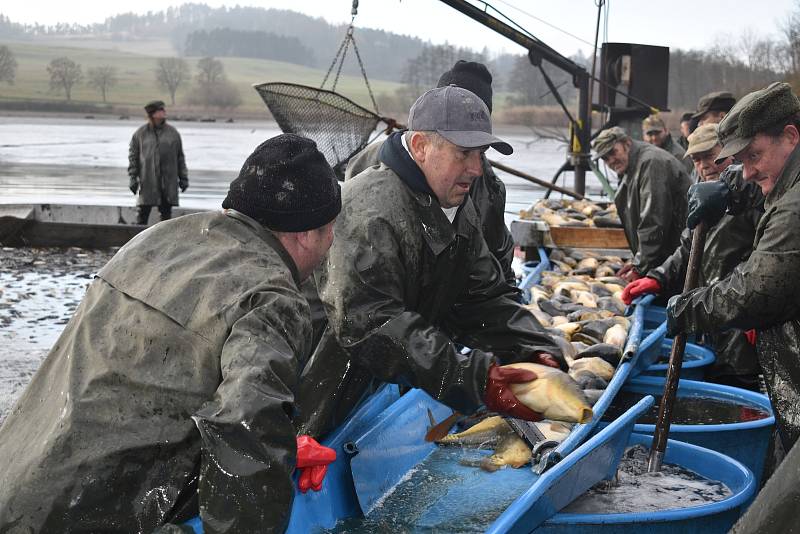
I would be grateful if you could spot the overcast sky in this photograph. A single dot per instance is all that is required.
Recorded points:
(674, 23)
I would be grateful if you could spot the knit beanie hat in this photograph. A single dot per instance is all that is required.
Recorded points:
(286, 185)
(472, 76)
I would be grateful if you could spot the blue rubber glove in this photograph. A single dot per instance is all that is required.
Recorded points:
(707, 202)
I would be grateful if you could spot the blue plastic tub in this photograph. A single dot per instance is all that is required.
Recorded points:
(654, 317)
(696, 360)
(532, 270)
(745, 441)
(707, 518)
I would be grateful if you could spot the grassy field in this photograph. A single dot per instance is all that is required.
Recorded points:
(137, 83)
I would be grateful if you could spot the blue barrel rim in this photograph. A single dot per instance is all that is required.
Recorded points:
(737, 499)
(729, 392)
(707, 357)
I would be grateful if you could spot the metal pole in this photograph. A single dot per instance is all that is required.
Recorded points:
(537, 181)
(583, 133)
(659, 446)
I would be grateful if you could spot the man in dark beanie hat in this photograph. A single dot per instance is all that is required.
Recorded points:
(171, 391)
(410, 278)
(156, 164)
(488, 192)
(762, 131)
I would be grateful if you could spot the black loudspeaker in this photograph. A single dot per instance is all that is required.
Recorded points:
(640, 70)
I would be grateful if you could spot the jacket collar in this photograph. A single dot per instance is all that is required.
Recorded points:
(397, 158)
(267, 236)
(633, 157)
(789, 176)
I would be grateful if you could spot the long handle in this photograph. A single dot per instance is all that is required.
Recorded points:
(537, 181)
(676, 357)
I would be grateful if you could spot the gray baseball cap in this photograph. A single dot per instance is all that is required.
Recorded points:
(458, 115)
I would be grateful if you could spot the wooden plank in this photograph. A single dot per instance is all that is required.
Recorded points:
(578, 237)
(43, 234)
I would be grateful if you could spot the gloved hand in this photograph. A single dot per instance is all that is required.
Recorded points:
(629, 273)
(498, 396)
(183, 184)
(312, 460)
(133, 184)
(707, 202)
(672, 323)
(640, 287)
(751, 336)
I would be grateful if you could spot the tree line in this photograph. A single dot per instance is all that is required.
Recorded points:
(245, 43)
(211, 86)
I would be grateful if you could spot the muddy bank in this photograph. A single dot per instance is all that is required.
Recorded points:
(39, 291)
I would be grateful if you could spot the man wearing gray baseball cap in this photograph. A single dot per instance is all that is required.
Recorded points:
(412, 277)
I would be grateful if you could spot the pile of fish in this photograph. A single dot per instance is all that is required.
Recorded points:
(578, 301)
(580, 213)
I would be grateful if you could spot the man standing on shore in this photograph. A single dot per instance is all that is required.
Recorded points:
(156, 164)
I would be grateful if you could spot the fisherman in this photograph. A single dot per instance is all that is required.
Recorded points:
(713, 107)
(686, 121)
(654, 131)
(488, 192)
(651, 199)
(171, 390)
(156, 165)
(410, 276)
(727, 244)
(763, 132)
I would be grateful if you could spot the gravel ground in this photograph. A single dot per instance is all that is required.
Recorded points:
(40, 288)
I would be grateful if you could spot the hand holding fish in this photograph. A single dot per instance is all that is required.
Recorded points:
(498, 396)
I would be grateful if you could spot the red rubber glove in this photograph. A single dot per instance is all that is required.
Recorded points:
(312, 460)
(498, 396)
(639, 287)
(751, 336)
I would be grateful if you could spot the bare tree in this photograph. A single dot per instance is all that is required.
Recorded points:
(171, 72)
(210, 71)
(8, 65)
(103, 78)
(791, 31)
(64, 73)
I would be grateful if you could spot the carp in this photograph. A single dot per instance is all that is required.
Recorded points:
(554, 394)
(483, 434)
(511, 450)
(610, 353)
(616, 335)
(597, 366)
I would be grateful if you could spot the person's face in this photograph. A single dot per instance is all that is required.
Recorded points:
(617, 159)
(316, 244)
(765, 156)
(705, 166)
(655, 137)
(685, 128)
(159, 115)
(448, 168)
(711, 117)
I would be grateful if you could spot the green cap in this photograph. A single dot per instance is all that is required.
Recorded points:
(606, 139)
(704, 138)
(754, 113)
(653, 123)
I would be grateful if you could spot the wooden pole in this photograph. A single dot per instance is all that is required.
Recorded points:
(676, 358)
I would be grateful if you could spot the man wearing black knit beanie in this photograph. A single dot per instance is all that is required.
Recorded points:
(171, 391)
(488, 192)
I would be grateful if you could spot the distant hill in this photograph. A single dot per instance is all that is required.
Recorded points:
(384, 53)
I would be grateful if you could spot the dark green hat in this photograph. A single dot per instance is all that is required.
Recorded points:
(755, 112)
(606, 139)
(153, 106)
(716, 101)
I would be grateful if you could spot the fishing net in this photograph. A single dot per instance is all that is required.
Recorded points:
(339, 126)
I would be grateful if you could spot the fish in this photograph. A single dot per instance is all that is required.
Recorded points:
(610, 353)
(481, 435)
(597, 366)
(511, 450)
(554, 394)
(568, 328)
(585, 298)
(593, 395)
(611, 304)
(616, 335)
